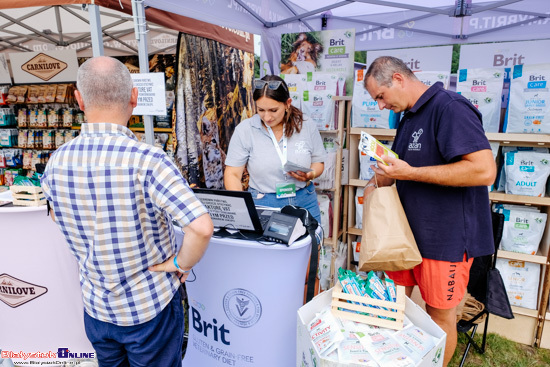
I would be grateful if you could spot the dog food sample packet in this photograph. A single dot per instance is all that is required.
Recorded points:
(522, 231)
(529, 103)
(385, 350)
(521, 280)
(526, 173)
(415, 341)
(374, 148)
(325, 332)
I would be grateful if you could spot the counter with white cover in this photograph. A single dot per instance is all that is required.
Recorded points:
(41, 304)
(244, 298)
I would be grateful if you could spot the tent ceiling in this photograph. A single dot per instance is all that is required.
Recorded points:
(35, 28)
(379, 24)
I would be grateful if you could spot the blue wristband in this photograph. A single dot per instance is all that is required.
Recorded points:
(178, 267)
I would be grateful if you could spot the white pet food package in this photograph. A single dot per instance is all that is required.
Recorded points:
(500, 207)
(521, 280)
(326, 213)
(325, 332)
(323, 271)
(431, 77)
(297, 84)
(415, 341)
(365, 111)
(385, 350)
(359, 207)
(526, 173)
(365, 161)
(326, 180)
(319, 106)
(488, 105)
(505, 149)
(522, 231)
(356, 248)
(483, 88)
(529, 103)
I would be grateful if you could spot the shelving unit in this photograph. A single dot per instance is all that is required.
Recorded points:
(339, 206)
(528, 325)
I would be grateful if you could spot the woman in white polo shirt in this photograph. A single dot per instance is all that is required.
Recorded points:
(278, 133)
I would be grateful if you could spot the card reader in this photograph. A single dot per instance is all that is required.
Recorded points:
(283, 228)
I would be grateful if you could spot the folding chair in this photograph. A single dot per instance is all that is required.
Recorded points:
(487, 287)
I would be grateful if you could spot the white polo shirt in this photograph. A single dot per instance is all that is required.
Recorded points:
(252, 146)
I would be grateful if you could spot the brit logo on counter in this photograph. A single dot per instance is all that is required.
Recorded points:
(242, 307)
(16, 292)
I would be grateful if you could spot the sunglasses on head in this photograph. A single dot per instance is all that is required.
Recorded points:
(271, 84)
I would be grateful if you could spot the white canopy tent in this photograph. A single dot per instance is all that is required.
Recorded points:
(379, 24)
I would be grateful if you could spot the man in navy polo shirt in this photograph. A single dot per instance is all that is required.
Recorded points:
(442, 176)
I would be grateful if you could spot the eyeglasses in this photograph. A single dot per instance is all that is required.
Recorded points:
(271, 84)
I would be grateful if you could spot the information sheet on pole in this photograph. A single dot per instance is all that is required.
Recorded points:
(152, 94)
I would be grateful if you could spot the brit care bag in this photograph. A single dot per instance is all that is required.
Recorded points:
(388, 242)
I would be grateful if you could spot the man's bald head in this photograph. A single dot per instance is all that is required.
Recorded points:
(104, 83)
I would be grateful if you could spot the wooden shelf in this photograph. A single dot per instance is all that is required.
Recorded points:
(377, 133)
(525, 311)
(519, 199)
(355, 231)
(537, 259)
(328, 131)
(536, 140)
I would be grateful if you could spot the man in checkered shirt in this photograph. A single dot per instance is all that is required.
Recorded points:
(114, 199)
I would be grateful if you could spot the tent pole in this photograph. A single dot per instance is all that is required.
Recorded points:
(96, 33)
(138, 13)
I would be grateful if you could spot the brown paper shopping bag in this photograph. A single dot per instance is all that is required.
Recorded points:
(388, 242)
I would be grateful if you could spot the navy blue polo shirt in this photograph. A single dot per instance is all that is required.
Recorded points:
(446, 221)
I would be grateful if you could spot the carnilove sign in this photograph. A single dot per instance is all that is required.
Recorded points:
(44, 67)
(39, 67)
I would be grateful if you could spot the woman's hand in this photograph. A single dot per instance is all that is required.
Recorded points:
(300, 176)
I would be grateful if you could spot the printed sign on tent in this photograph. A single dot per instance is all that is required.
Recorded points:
(329, 51)
(419, 59)
(152, 94)
(40, 67)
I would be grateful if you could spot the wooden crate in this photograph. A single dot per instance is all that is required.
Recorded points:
(395, 310)
(28, 195)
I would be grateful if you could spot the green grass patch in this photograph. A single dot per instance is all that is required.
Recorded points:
(500, 352)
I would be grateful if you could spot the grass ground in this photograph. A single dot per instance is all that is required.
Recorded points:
(500, 352)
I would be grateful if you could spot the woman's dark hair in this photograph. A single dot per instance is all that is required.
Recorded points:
(293, 119)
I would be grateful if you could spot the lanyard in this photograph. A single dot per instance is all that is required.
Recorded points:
(283, 154)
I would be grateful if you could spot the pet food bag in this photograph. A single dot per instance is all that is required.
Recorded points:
(529, 103)
(431, 77)
(365, 111)
(521, 280)
(319, 106)
(359, 207)
(526, 173)
(297, 84)
(522, 231)
(483, 88)
(501, 180)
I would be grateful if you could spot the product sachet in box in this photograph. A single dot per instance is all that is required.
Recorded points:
(374, 148)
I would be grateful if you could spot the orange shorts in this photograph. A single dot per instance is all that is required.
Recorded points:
(442, 284)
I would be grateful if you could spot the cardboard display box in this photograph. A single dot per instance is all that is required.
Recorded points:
(306, 355)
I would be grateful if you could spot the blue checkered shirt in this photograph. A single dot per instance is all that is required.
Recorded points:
(114, 199)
